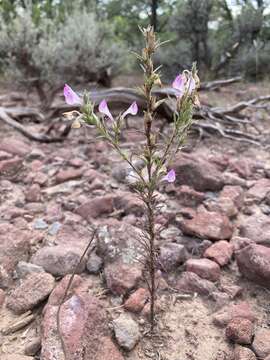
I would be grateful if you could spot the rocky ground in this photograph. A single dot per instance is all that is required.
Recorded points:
(214, 252)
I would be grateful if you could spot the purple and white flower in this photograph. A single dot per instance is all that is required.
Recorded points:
(170, 177)
(104, 109)
(71, 97)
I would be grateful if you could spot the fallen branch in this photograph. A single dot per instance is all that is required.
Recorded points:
(32, 136)
(217, 84)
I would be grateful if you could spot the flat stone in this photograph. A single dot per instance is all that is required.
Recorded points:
(59, 260)
(239, 310)
(190, 282)
(31, 292)
(221, 252)
(256, 228)
(197, 173)
(206, 269)
(24, 268)
(208, 224)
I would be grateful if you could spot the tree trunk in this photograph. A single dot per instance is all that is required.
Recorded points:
(154, 21)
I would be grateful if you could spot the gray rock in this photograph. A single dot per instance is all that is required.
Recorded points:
(126, 331)
(40, 224)
(172, 255)
(94, 263)
(24, 268)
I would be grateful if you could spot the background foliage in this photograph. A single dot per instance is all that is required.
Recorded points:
(43, 43)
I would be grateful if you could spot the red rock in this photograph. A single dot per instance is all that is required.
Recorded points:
(96, 207)
(254, 263)
(188, 196)
(34, 289)
(121, 278)
(222, 205)
(15, 147)
(259, 190)
(129, 203)
(190, 282)
(241, 166)
(205, 268)
(136, 302)
(240, 310)
(235, 193)
(261, 343)
(197, 173)
(10, 166)
(232, 290)
(83, 328)
(221, 252)
(14, 247)
(40, 178)
(58, 292)
(33, 194)
(59, 260)
(256, 228)
(240, 331)
(108, 350)
(206, 224)
(69, 174)
(76, 162)
(243, 353)
(239, 243)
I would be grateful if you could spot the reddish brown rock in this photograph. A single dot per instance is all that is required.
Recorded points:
(261, 343)
(33, 194)
(221, 252)
(10, 166)
(108, 350)
(235, 193)
(58, 292)
(239, 243)
(197, 173)
(188, 196)
(83, 328)
(256, 228)
(240, 331)
(259, 190)
(34, 289)
(14, 247)
(205, 268)
(243, 353)
(69, 174)
(96, 207)
(129, 203)
(190, 282)
(136, 302)
(240, 310)
(15, 147)
(208, 224)
(121, 278)
(254, 263)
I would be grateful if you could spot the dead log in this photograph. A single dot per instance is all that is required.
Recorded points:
(32, 136)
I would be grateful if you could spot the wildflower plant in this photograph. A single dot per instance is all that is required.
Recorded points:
(158, 150)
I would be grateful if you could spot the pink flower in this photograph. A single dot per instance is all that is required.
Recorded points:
(103, 109)
(71, 97)
(170, 177)
(132, 110)
(179, 84)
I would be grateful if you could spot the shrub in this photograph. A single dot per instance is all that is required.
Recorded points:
(43, 55)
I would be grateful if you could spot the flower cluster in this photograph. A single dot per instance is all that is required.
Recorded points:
(183, 84)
